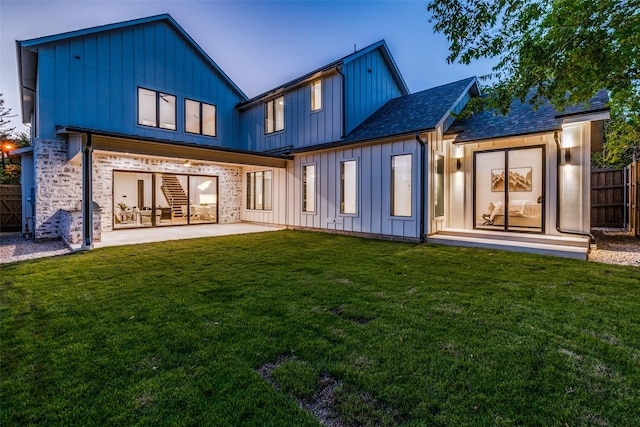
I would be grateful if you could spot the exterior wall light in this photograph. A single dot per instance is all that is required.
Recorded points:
(567, 156)
(458, 164)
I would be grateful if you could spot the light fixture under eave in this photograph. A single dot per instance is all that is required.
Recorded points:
(567, 156)
(458, 164)
(187, 163)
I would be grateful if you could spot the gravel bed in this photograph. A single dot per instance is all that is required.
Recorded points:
(15, 248)
(615, 247)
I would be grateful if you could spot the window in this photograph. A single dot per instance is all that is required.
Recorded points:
(401, 185)
(308, 188)
(348, 185)
(439, 187)
(274, 115)
(156, 109)
(259, 193)
(199, 117)
(316, 95)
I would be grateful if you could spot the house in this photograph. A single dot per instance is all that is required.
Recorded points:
(134, 125)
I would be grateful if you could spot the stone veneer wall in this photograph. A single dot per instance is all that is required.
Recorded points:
(229, 181)
(58, 184)
(58, 187)
(71, 227)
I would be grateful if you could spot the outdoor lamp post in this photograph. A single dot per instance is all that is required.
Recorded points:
(6, 146)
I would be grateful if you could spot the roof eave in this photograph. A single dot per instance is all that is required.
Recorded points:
(489, 138)
(34, 43)
(170, 148)
(386, 54)
(292, 83)
(27, 63)
(344, 143)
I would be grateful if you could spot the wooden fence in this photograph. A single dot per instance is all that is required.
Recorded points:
(608, 198)
(633, 198)
(10, 208)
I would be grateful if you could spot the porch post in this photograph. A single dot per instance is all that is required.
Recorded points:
(87, 195)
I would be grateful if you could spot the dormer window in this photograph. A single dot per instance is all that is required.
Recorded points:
(316, 95)
(274, 115)
(156, 109)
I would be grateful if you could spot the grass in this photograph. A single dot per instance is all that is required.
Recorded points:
(174, 333)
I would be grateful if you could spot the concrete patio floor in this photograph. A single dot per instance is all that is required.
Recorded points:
(161, 234)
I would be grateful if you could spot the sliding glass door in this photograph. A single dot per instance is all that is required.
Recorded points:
(142, 199)
(509, 189)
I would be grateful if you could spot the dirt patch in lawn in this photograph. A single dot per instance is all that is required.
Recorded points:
(321, 404)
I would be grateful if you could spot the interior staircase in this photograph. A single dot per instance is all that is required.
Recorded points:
(563, 246)
(174, 193)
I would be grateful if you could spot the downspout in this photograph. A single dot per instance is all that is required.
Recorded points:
(422, 186)
(592, 239)
(344, 102)
(87, 195)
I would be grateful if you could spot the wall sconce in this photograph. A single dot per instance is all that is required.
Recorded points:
(458, 164)
(187, 163)
(567, 156)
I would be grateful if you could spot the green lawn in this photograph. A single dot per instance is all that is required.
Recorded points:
(175, 333)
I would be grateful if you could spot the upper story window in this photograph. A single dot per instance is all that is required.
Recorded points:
(156, 109)
(316, 95)
(274, 115)
(199, 117)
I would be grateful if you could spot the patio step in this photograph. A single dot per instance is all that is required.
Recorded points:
(567, 247)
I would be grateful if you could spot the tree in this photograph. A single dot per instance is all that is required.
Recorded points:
(562, 51)
(5, 115)
(9, 173)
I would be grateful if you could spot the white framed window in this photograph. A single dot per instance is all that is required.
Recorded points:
(401, 185)
(156, 109)
(439, 186)
(316, 95)
(348, 186)
(274, 115)
(199, 117)
(259, 190)
(309, 188)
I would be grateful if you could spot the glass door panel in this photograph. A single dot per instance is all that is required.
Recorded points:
(489, 189)
(203, 199)
(171, 198)
(132, 192)
(525, 190)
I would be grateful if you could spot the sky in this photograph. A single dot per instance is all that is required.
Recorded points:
(258, 44)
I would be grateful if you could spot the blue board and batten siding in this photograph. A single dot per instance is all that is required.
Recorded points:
(373, 212)
(302, 127)
(369, 84)
(91, 82)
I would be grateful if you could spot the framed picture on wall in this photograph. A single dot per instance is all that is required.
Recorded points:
(497, 179)
(520, 179)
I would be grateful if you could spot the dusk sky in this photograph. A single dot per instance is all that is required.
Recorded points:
(258, 44)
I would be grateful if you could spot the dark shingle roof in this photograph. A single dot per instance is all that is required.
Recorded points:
(521, 120)
(417, 112)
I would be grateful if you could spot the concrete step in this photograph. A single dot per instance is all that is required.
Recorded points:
(577, 241)
(511, 245)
